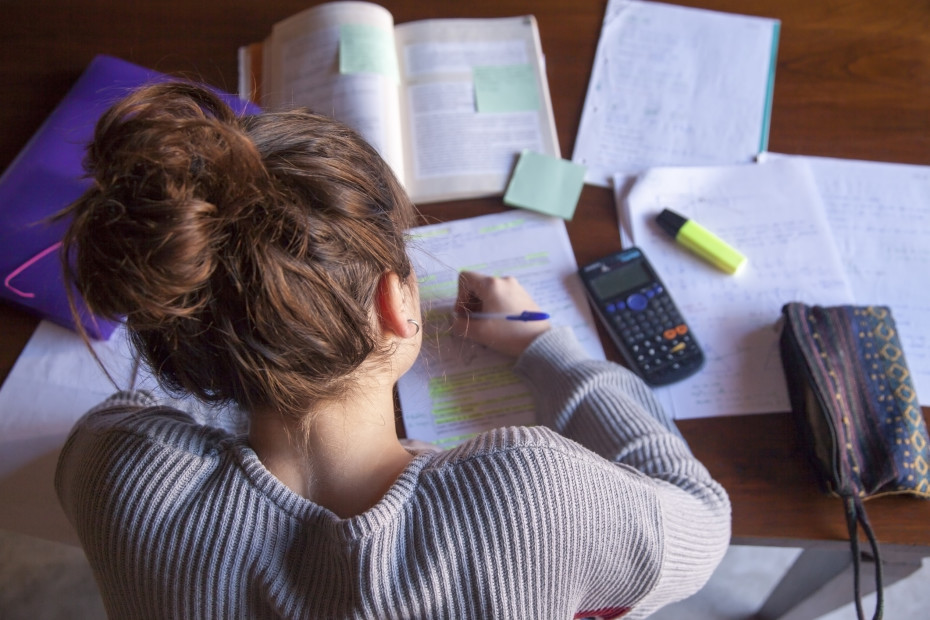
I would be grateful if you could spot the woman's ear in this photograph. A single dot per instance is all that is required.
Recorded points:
(396, 306)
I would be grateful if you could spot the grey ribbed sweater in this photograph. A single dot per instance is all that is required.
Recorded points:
(180, 520)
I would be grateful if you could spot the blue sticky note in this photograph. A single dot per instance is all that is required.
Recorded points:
(505, 88)
(364, 48)
(546, 184)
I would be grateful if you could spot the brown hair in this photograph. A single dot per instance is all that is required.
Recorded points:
(244, 253)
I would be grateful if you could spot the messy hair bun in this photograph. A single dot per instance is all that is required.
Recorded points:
(244, 253)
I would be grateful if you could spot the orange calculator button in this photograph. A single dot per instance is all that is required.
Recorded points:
(681, 330)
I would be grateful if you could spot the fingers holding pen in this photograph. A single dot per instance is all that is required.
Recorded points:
(497, 297)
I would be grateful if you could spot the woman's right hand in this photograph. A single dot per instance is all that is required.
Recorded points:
(479, 293)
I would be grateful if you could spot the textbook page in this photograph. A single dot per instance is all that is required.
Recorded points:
(773, 215)
(676, 86)
(880, 217)
(301, 68)
(474, 96)
(457, 388)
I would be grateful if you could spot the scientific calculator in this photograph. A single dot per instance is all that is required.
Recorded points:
(641, 318)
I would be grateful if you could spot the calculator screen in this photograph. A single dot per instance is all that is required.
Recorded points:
(621, 280)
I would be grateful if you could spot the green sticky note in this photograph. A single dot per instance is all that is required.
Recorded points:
(505, 88)
(546, 184)
(367, 49)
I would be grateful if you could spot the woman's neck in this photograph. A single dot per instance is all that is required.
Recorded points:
(347, 459)
(347, 455)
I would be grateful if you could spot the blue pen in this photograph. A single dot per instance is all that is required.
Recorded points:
(526, 315)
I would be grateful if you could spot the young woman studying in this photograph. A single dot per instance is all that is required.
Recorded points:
(261, 262)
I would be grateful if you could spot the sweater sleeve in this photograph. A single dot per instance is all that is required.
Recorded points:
(610, 411)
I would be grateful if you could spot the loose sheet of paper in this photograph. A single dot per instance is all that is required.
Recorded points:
(879, 214)
(676, 86)
(773, 215)
(457, 389)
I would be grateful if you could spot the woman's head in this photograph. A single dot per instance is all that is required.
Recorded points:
(244, 253)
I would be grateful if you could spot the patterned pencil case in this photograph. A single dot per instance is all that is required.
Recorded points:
(854, 400)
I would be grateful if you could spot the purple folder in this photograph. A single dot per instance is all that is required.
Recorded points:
(46, 176)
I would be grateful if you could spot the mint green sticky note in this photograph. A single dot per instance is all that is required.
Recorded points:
(364, 48)
(505, 88)
(546, 184)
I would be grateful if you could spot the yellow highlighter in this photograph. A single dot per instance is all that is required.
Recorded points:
(701, 241)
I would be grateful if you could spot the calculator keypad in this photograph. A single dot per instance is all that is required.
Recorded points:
(656, 335)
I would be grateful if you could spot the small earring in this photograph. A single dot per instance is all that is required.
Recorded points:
(415, 323)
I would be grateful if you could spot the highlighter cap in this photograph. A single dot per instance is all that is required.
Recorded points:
(670, 222)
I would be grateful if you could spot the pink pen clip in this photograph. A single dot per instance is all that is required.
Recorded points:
(25, 266)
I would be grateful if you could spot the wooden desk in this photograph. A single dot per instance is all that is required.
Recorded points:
(853, 80)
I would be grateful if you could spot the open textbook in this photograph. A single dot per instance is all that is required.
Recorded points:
(449, 103)
(676, 86)
(457, 388)
(823, 232)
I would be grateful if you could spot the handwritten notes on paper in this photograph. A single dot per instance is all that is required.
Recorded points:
(773, 214)
(457, 389)
(879, 215)
(676, 86)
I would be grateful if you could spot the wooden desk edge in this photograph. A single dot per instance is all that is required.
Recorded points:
(760, 461)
